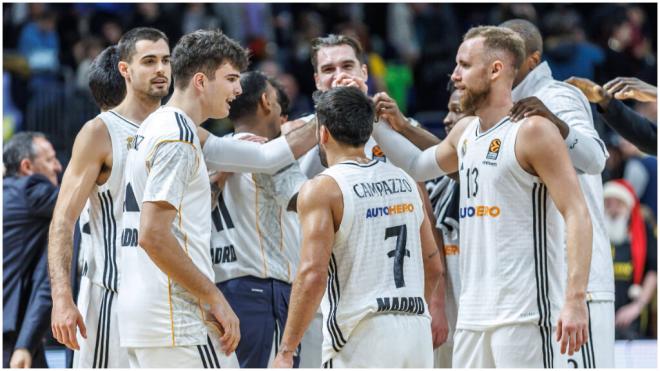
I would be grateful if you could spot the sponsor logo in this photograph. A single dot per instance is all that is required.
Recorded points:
(494, 149)
(377, 153)
(452, 250)
(479, 211)
(464, 147)
(375, 212)
(134, 142)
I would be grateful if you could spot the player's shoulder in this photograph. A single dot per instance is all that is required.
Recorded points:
(94, 134)
(537, 131)
(320, 190)
(168, 124)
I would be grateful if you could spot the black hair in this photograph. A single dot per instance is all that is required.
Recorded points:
(128, 40)
(253, 84)
(105, 82)
(347, 112)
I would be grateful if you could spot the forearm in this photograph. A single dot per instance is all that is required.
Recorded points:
(306, 295)
(225, 154)
(421, 165)
(630, 125)
(588, 153)
(419, 137)
(60, 251)
(648, 289)
(165, 251)
(578, 250)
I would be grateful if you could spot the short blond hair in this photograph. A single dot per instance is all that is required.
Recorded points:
(500, 39)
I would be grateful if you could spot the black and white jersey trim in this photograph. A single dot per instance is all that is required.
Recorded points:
(109, 241)
(185, 133)
(102, 345)
(539, 202)
(124, 119)
(336, 336)
(208, 355)
(587, 350)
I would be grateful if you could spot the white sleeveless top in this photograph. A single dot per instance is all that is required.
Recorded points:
(376, 264)
(101, 228)
(512, 253)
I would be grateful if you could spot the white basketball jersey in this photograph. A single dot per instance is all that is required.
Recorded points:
(512, 252)
(154, 310)
(252, 233)
(100, 245)
(376, 264)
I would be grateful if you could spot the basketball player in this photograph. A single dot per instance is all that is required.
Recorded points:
(569, 109)
(512, 250)
(95, 172)
(254, 240)
(365, 239)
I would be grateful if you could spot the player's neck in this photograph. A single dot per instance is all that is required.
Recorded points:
(258, 127)
(496, 107)
(189, 104)
(137, 107)
(346, 153)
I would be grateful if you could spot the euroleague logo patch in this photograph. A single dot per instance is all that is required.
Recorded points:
(494, 149)
(377, 153)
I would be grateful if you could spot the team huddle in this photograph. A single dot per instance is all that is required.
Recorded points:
(239, 251)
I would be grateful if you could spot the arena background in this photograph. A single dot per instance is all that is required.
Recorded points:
(47, 50)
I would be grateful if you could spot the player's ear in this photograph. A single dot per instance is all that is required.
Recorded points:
(265, 103)
(324, 134)
(123, 68)
(496, 68)
(199, 80)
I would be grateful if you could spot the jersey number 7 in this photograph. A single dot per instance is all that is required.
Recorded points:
(401, 233)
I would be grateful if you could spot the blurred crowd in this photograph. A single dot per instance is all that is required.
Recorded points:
(48, 49)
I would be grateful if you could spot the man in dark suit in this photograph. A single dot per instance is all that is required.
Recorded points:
(30, 188)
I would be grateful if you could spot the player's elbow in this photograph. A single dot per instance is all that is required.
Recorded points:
(150, 237)
(595, 165)
(311, 276)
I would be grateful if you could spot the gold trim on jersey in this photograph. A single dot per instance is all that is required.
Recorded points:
(169, 299)
(256, 223)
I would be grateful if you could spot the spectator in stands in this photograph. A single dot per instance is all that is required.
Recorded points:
(39, 43)
(634, 249)
(639, 130)
(30, 190)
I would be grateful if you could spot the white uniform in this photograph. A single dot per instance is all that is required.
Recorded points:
(165, 163)
(444, 196)
(253, 234)
(100, 254)
(512, 254)
(585, 149)
(374, 311)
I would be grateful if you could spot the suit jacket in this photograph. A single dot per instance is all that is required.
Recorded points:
(28, 204)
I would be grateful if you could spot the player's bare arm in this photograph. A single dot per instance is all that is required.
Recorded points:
(388, 110)
(434, 273)
(90, 164)
(158, 241)
(541, 151)
(320, 206)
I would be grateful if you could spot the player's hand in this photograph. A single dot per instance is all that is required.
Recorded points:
(573, 326)
(344, 79)
(21, 358)
(439, 324)
(631, 88)
(594, 92)
(229, 325)
(283, 360)
(290, 126)
(530, 106)
(627, 314)
(65, 319)
(388, 110)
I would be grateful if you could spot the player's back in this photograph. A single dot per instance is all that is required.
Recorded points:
(101, 247)
(376, 265)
